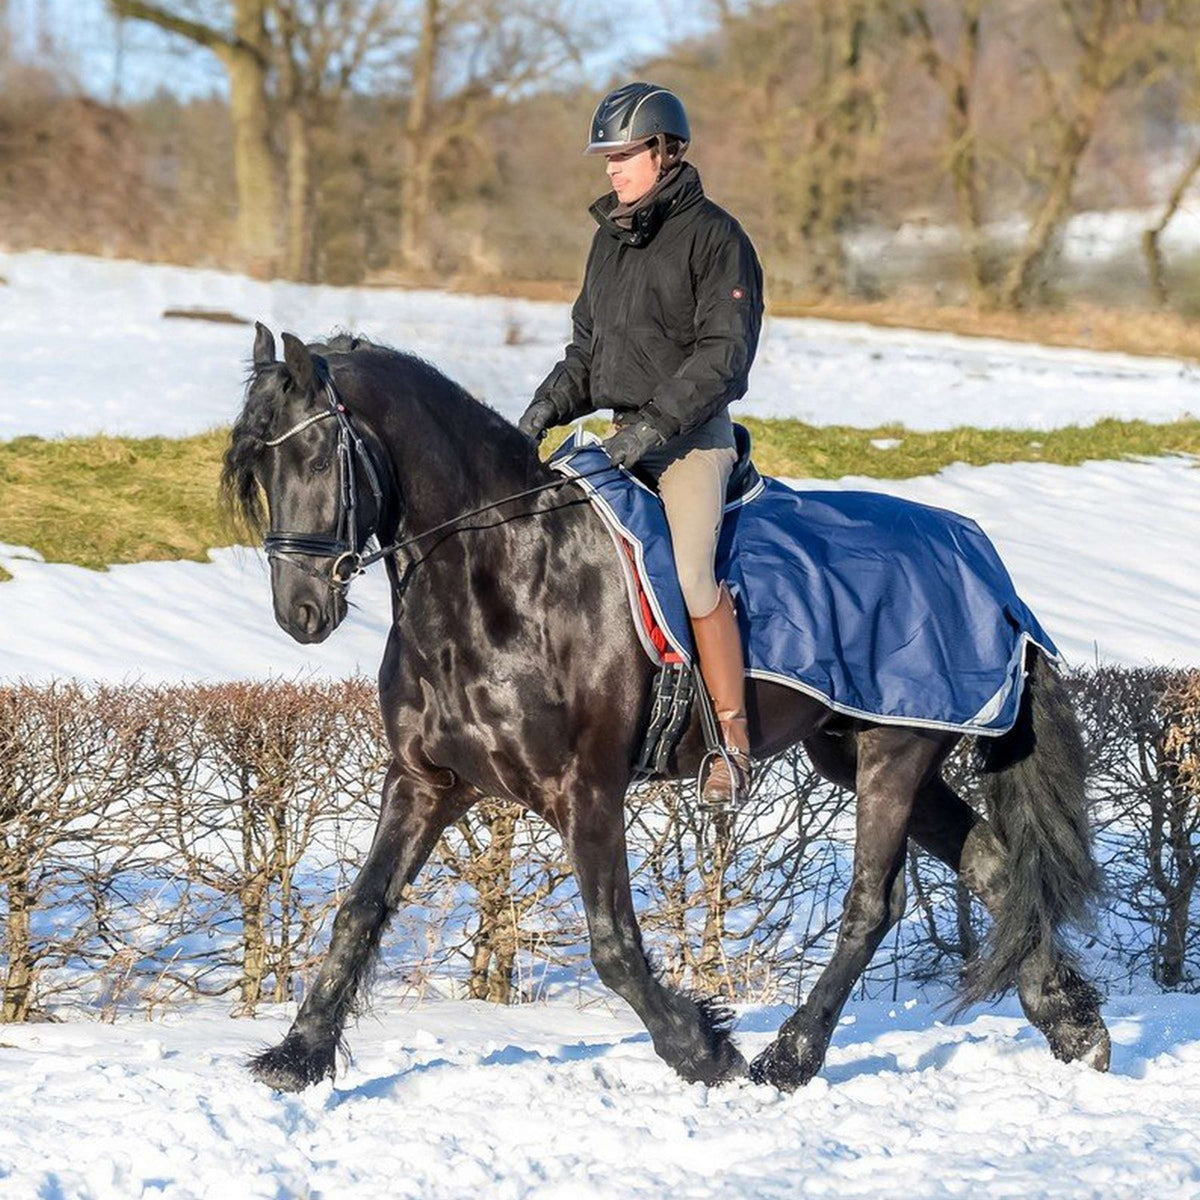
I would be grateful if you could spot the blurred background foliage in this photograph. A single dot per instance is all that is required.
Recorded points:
(921, 152)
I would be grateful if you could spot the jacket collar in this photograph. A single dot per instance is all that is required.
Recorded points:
(683, 192)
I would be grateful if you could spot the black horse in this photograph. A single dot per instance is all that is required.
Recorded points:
(513, 669)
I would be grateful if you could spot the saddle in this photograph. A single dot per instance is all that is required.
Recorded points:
(884, 609)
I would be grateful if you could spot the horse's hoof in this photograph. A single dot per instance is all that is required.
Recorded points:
(292, 1065)
(725, 1065)
(1088, 1043)
(782, 1067)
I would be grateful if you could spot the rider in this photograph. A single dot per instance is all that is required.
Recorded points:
(665, 330)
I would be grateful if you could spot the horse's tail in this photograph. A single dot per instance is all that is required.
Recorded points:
(1034, 784)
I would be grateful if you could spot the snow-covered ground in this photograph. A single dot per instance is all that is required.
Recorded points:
(565, 1099)
(554, 1102)
(87, 349)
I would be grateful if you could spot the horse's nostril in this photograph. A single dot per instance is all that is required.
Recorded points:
(308, 617)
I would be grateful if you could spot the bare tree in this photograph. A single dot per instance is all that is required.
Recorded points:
(69, 758)
(324, 48)
(724, 887)
(248, 782)
(1116, 43)
(236, 32)
(1142, 729)
(810, 99)
(1185, 54)
(515, 869)
(1152, 237)
(472, 58)
(952, 60)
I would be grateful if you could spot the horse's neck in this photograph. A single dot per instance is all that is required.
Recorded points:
(452, 460)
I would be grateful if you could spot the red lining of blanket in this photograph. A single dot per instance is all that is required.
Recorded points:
(653, 630)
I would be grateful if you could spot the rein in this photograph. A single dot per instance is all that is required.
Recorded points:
(369, 559)
(343, 547)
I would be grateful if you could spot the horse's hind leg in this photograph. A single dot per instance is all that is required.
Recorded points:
(412, 815)
(692, 1036)
(891, 765)
(1055, 997)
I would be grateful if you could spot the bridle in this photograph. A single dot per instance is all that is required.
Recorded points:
(343, 547)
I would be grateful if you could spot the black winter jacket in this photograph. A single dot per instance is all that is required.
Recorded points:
(667, 321)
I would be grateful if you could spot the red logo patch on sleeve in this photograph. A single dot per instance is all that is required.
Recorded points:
(738, 293)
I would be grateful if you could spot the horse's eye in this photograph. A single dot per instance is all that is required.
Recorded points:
(320, 466)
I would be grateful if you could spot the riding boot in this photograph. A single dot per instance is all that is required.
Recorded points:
(722, 665)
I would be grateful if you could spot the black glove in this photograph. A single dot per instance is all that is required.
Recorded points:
(537, 418)
(627, 446)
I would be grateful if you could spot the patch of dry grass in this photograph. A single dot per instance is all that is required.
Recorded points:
(103, 500)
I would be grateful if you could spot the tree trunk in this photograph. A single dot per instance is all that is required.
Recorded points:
(1151, 249)
(502, 976)
(254, 164)
(845, 114)
(493, 958)
(967, 941)
(244, 54)
(18, 983)
(964, 158)
(710, 965)
(416, 202)
(254, 943)
(283, 959)
(481, 957)
(1077, 133)
(298, 253)
(1170, 969)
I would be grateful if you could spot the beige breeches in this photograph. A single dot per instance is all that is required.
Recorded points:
(693, 494)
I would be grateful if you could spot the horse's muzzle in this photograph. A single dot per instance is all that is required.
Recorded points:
(310, 622)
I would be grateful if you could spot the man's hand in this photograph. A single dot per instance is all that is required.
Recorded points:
(627, 446)
(538, 417)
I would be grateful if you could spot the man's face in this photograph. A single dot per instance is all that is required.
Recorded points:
(632, 173)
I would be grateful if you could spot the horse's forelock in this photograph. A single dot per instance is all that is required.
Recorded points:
(241, 497)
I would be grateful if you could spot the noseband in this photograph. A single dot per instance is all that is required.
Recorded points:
(343, 547)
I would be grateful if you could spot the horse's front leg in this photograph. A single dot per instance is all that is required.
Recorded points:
(413, 813)
(693, 1037)
(892, 765)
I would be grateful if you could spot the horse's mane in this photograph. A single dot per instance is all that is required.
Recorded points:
(240, 495)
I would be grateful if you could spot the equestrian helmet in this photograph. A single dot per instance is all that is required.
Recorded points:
(634, 115)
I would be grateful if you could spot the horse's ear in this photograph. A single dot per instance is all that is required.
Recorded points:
(299, 362)
(264, 345)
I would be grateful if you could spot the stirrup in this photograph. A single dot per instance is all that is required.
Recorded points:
(720, 766)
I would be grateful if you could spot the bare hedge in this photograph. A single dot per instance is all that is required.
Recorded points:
(161, 844)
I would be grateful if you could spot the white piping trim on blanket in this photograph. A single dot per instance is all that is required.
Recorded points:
(913, 722)
(745, 498)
